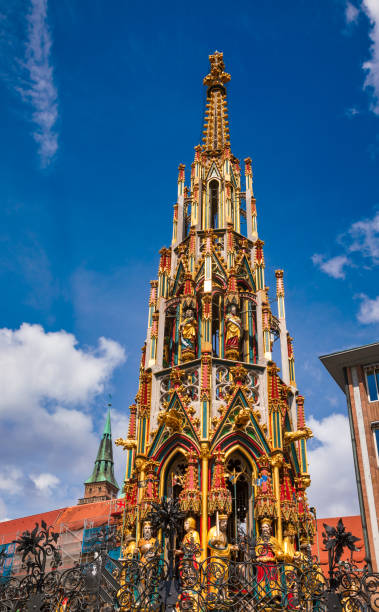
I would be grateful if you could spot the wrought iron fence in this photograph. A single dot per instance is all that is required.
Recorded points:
(183, 583)
(216, 584)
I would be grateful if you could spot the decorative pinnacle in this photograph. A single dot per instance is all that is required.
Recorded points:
(279, 283)
(216, 131)
(217, 76)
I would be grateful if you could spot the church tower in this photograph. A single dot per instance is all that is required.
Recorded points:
(215, 423)
(102, 485)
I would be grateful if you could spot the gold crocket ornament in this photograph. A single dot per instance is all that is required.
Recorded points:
(217, 424)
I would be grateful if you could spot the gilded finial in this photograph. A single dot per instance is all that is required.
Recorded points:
(217, 76)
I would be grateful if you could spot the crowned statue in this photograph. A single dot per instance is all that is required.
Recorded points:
(233, 333)
(188, 332)
(221, 550)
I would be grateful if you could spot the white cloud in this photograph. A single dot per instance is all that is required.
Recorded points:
(10, 480)
(38, 88)
(365, 238)
(334, 267)
(371, 8)
(45, 482)
(368, 310)
(333, 490)
(360, 240)
(351, 13)
(36, 365)
(50, 384)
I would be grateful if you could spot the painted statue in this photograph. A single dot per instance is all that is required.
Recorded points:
(189, 566)
(129, 545)
(147, 544)
(233, 333)
(188, 333)
(221, 550)
(269, 552)
(147, 547)
(191, 539)
(128, 593)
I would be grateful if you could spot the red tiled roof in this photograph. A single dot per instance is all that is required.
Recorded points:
(352, 524)
(98, 513)
(10, 529)
(73, 517)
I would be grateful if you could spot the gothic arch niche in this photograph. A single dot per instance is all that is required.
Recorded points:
(172, 480)
(214, 198)
(171, 336)
(240, 484)
(232, 208)
(218, 324)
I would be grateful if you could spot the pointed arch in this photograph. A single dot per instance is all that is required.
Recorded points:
(244, 267)
(214, 172)
(179, 278)
(253, 431)
(163, 435)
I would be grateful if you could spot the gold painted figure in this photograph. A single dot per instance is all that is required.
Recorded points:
(129, 547)
(147, 544)
(189, 565)
(221, 550)
(188, 332)
(191, 537)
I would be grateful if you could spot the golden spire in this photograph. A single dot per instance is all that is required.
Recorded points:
(216, 131)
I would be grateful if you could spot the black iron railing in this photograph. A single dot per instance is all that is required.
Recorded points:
(168, 582)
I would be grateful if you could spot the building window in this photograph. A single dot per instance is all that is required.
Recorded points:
(375, 431)
(372, 375)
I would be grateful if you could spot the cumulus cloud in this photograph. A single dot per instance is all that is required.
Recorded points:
(368, 310)
(333, 490)
(36, 365)
(334, 266)
(45, 482)
(50, 387)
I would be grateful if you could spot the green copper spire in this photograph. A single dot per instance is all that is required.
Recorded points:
(103, 469)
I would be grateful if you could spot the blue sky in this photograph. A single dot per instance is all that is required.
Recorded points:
(100, 102)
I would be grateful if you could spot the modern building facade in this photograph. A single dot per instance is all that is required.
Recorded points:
(356, 371)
